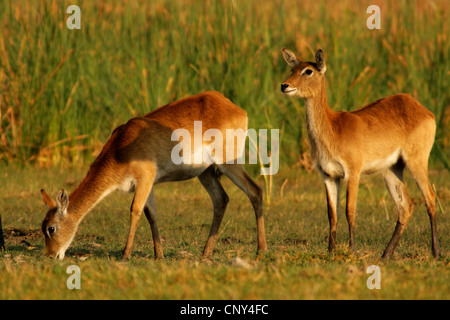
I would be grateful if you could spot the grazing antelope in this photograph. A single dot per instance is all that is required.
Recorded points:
(138, 155)
(387, 136)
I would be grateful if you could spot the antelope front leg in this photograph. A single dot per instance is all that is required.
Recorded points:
(143, 188)
(352, 194)
(332, 187)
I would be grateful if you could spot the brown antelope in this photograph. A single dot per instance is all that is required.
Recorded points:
(385, 136)
(138, 155)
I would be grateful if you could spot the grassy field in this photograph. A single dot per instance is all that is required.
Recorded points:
(63, 91)
(297, 265)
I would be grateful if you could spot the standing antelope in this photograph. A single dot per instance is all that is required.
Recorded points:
(385, 136)
(138, 155)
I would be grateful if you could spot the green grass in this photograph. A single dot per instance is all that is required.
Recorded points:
(63, 91)
(296, 266)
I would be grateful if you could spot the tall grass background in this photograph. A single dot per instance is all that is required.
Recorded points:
(63, 91)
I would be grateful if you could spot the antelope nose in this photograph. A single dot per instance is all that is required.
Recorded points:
(284, 86)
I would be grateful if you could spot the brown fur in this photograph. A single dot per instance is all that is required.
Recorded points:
(138, 155)
(385, 136)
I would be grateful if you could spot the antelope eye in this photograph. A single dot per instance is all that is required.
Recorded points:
(308, 72)
(51, 230)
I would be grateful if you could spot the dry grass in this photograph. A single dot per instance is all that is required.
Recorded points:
(296, 266)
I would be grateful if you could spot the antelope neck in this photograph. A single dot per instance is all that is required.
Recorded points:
(319, 118)
(90, 191)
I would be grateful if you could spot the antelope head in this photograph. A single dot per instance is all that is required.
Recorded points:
(306, 77)
(58, 227)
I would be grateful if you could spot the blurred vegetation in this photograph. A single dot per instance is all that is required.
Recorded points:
(296, 265)
(63, 91)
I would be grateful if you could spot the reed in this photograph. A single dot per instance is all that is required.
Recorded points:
(63, 91)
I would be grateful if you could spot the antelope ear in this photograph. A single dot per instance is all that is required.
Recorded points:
(62, 201)
(320, 61)
(49, 202)
(290, 57)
